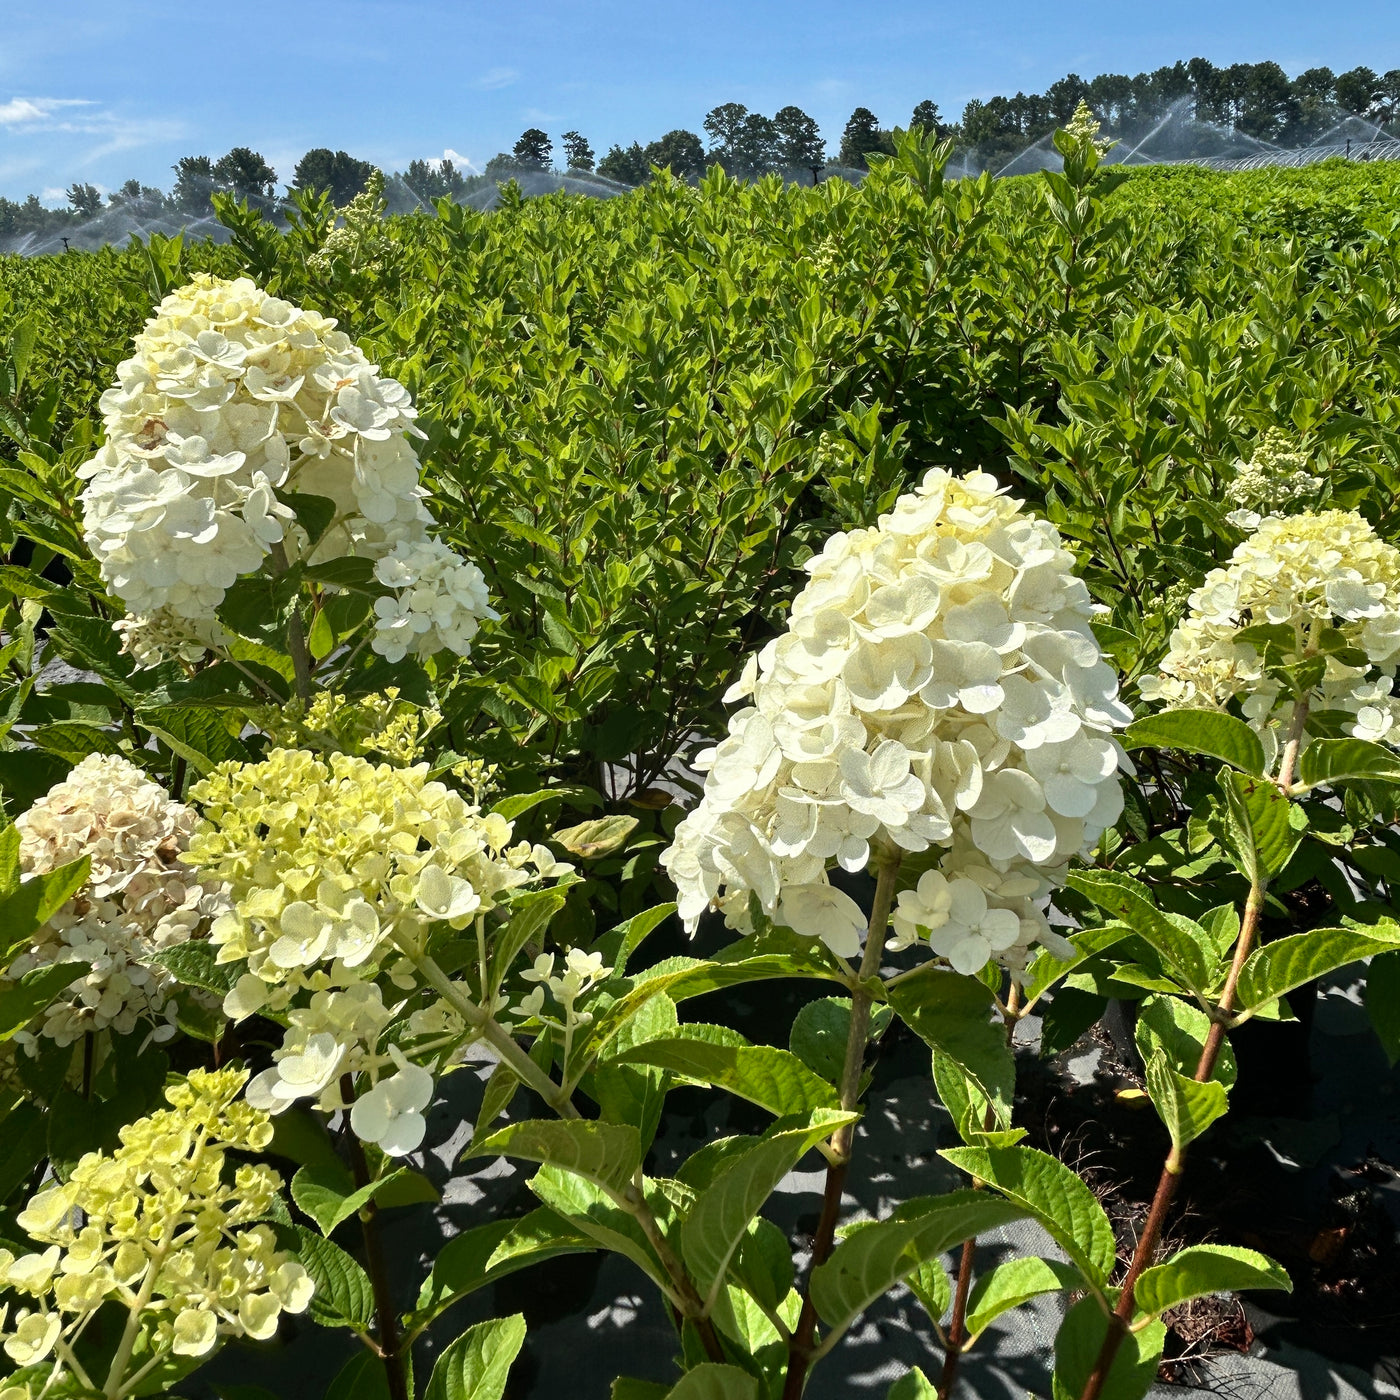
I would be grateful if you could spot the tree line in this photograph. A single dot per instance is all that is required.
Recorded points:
(1258, 100)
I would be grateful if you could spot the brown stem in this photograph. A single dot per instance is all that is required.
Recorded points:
(800, 1347)
(957, 1327)
(1152, 1228)
(386, 1319)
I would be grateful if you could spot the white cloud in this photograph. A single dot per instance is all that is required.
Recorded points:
(495, 78)
(459, 160)
(21, 111)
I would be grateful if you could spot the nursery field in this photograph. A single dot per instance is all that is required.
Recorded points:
(657, 735)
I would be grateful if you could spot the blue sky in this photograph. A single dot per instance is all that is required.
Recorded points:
(102, 91)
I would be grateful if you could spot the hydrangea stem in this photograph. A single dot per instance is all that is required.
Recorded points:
(800, 1348)
(957, 1325)
(1151, 1235)
(296, 635)
(386, 1319)
(528, 1072)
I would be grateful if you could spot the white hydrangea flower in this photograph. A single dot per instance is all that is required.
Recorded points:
(139, 900)
(438, 603)
(939, 688)
(230, 397)
(1307, 573)
(391, 1113)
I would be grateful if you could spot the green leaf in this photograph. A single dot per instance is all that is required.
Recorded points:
(1077, 1346)
(330, 1197)
(1261, 827)
(595, 1214)
(314, 513)
(871, 1260)
(1287, 963)
(970, 1108)
(600, 836)
(34, 901)
(1009, 1285)
(22, 1001)
(196, 965)
(820, 1031)
(618, 944)
(300, 1136)
(912, 1385)
(200, 737)
(476, 1365)
(1187, 1107)
(354, 575)
(529, 916)
(721, 1214)
(1201, 1269)
(343, 1297)
(519, 803)
(1209, 732)
(1186, 947)
(1327, 762)
(22, 1147)
(1383, 1001)
(361, 1378)
(1178, 1030)
(952, 1014)
(763, 1263)
(605, 1153)
(774, 1079)
(500, 1091)
(481, 1255)
(1054, 1195)
(712, 1380)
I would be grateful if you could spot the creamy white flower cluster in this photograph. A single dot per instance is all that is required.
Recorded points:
(230, 397)
(338, 869)
(161, 1229)
(1305, 573)
(1274, 479)
(938, 686)
(139, 900)
(438, 602)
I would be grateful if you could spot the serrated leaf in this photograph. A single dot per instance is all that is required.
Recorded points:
(820, 1031)
(343, 1296)
(1202, 1269)
(529, 915)
(200, 737)
(869, 1262)
(952, 1014)
(1077, 1346)
(774, 1079)
(608, 1154)
(500, 1091)
(1054, 1195)
(1327, 762)
(713, 1380)
(1287, 963)
(595, 1214)
(1209, 732)
(972, 1111)
(479, 1256)
(196, 965)
(477, 1364)
(618, 944)
(763, 1263)
(1009, 1285)
(1383, 1001)
(721, 1214)
(1187, 948)
(1261, 827)
(1186, 1106)
(330, 1197)
(1178, 1029)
